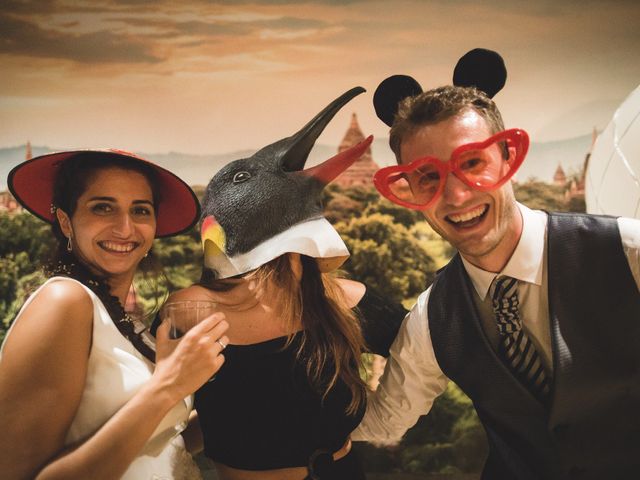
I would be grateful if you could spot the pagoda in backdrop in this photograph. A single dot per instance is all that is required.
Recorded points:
(361, 172)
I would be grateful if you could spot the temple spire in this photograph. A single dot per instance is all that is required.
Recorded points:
(361, 172)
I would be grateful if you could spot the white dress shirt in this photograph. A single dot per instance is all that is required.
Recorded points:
(413, 379)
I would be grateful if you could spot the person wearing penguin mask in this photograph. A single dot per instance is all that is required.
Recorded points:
(290, 392)
(517, 319)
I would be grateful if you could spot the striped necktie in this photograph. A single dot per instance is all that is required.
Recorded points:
(516, 348)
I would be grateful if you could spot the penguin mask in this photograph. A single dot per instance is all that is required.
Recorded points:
(258, 208)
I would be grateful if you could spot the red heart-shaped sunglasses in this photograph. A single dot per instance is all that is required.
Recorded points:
(482, 166)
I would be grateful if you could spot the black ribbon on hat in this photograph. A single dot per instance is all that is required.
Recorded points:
(480, 68)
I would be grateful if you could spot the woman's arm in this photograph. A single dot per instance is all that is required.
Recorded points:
(42, 378)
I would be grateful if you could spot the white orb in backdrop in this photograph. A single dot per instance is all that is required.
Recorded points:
(612, 184)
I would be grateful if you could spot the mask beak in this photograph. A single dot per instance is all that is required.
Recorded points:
(294, 150)
(213, 238)
(328, 170)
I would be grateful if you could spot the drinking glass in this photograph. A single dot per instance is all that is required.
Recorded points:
(185, 315)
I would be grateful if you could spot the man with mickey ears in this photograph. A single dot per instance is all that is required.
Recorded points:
(537, 318)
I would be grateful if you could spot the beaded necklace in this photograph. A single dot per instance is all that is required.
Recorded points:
(132, 329)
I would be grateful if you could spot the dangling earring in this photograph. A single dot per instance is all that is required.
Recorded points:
(69, 246)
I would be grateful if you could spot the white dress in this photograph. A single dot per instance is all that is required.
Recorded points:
(116, 371)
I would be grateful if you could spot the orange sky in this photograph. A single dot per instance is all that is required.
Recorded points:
(202, 76)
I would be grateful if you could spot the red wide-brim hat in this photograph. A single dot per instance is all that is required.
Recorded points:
(31, 183)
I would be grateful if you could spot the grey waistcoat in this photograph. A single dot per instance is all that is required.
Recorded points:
(592, 429)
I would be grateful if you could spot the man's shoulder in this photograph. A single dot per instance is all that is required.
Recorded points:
(419, 309)
(581, 220)
(629, 228)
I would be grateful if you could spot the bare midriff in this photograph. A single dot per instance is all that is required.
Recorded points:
(228, 473)
(294, 473)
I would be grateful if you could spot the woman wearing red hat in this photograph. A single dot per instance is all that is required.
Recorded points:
(80, 396)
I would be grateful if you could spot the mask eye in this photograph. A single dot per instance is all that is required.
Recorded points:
(241, 177)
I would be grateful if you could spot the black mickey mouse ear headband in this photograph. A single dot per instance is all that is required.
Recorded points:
(480, 68)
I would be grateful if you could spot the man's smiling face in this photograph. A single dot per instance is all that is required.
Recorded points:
(484, 226)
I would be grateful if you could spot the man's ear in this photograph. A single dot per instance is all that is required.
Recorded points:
(65, 223)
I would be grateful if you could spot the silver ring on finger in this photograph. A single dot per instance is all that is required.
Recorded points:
(222, 344)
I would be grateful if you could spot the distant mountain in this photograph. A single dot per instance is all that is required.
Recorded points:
(541, 162)
(193, 169)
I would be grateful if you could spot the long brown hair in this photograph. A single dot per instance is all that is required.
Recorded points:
(331, 340)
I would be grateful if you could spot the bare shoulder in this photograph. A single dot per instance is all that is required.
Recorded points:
(60, 301)
(62, 313)
(66, 293)
(353, 291)
(193, 292)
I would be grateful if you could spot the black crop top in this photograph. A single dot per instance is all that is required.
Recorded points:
(260, 413)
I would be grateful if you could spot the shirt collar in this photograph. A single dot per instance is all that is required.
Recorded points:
(526, 263)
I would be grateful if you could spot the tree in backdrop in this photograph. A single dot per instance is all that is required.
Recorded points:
(450, 439)
(544, 196)
(385, 256)
(25, 242)
(343, 204)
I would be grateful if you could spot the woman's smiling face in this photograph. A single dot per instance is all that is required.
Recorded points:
(114, 223)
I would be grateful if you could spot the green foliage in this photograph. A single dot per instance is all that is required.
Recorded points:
(544, 196)
(386, 256)
(450, 439)
(440, 250)
(25, 233)
(392, 248)
(361, 194)
(22, 287)
(401, 215)
(24, 242)
(152, 290)
(343, 204)
(180, 250)
(341, 208)
(12, 267)
(540, 195)
(576, 204)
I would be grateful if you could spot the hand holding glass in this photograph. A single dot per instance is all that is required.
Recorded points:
(185, 315)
